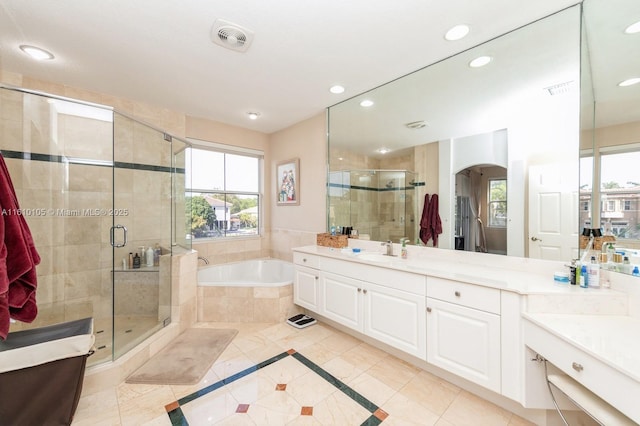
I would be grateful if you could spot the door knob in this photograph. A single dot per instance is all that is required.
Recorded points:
(535, 239)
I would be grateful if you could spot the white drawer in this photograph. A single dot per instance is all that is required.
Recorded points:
(307, 260)
(469, 295)
(603, 380)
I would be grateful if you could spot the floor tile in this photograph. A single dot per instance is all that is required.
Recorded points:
(431, 392)
(468, 409)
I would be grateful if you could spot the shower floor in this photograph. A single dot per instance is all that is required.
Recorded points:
(129, 331)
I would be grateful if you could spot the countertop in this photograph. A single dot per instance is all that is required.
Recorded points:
(612, 339)
(488, 276)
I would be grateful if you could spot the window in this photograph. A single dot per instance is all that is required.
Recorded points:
(497, 211)
(619, 192)
(223, 196)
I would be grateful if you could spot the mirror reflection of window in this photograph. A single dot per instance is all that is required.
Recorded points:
(497, 203)
(620, 192)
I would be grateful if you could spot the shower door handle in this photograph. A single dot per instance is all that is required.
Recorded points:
(124, 234)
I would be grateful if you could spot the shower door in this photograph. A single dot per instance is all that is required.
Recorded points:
(141, 220)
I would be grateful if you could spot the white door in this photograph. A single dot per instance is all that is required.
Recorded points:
(465, 342)
(396, 318)
(305, 288)
(553, 212)
(340, 299)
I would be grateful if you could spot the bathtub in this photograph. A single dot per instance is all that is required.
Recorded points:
(249, 273)
(259, 290)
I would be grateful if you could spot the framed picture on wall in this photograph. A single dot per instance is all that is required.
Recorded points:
(288, 182)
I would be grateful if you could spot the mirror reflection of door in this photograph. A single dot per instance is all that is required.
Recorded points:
(481, 209)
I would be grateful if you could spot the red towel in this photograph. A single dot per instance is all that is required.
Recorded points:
(430, 224)
(425, 229)
(18, 259)
(434, 219)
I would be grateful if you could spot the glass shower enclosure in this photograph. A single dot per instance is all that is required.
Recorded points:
(380, 204)
(96, 188)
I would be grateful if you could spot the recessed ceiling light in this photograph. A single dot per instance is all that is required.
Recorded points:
(629, 82)
(366, 103)
(457, 32)
(633, 28)
(36, 52)
(253, 115)
(383, 150)
(480, 61)
(337, 89)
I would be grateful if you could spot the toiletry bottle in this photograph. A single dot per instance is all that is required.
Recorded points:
(594, 273)
(130, 260)
(572, 272)
(125, 263)
(149, 256)
(636, 272)
(156, 255)
(578, 271)
(136, 261)
(403, 250)
(626, 265)
(584, 277)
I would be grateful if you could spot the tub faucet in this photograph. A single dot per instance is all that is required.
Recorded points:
(389, 245)
(204, 259)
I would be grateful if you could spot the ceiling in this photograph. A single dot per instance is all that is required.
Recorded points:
(160, 51)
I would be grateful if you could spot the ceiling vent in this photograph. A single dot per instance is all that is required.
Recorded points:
(231, 36)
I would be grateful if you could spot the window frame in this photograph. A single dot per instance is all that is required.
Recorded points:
(491, 202)
(259, 194)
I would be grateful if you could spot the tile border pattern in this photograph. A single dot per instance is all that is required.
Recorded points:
(177, 418)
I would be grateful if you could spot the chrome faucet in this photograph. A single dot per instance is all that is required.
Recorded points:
(389, 245)
(204, 259)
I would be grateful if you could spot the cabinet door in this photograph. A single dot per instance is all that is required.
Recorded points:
(396, 318)
(305, 287)
(464, 341)
(340, 299)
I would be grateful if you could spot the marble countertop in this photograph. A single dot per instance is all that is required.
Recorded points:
(502, 278)
(612, 339)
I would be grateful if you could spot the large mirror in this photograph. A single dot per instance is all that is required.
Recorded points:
(498, 144)
(610, 136)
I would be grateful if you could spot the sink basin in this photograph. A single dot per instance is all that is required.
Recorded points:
(371, 257)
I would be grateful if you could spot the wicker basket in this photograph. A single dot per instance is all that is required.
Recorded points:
(328, 240)
(597, 241)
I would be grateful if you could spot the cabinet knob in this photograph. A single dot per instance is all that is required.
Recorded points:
(304, 260)
(316, 277)
(428, 309)
(577, 367)
(364, 291)
(359, 290)
(457, 293)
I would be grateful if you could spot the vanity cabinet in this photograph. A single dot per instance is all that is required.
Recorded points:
(463, 330)
(389, 315)
(306, 279)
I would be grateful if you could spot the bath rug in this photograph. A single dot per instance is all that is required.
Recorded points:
(186, 359)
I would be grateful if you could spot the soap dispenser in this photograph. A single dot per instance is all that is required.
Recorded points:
(403, 250)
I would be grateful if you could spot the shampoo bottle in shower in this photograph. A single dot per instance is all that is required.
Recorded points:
(149, 256)
(136, 261)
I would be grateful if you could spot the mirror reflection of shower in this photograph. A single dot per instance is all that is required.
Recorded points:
(380, 204)
(480, 209)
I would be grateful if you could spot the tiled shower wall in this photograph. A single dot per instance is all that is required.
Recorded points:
(68, 206)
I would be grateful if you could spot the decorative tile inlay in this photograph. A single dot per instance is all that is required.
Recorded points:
(177, 417)
(381, 414)
(242, 408)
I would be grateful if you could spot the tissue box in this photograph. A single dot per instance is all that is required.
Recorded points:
(328, 240)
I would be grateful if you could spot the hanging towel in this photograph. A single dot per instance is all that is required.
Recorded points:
(425, 229)
(434, 219)
(18, 259)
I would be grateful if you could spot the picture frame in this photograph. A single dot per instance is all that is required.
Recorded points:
(288, 182)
